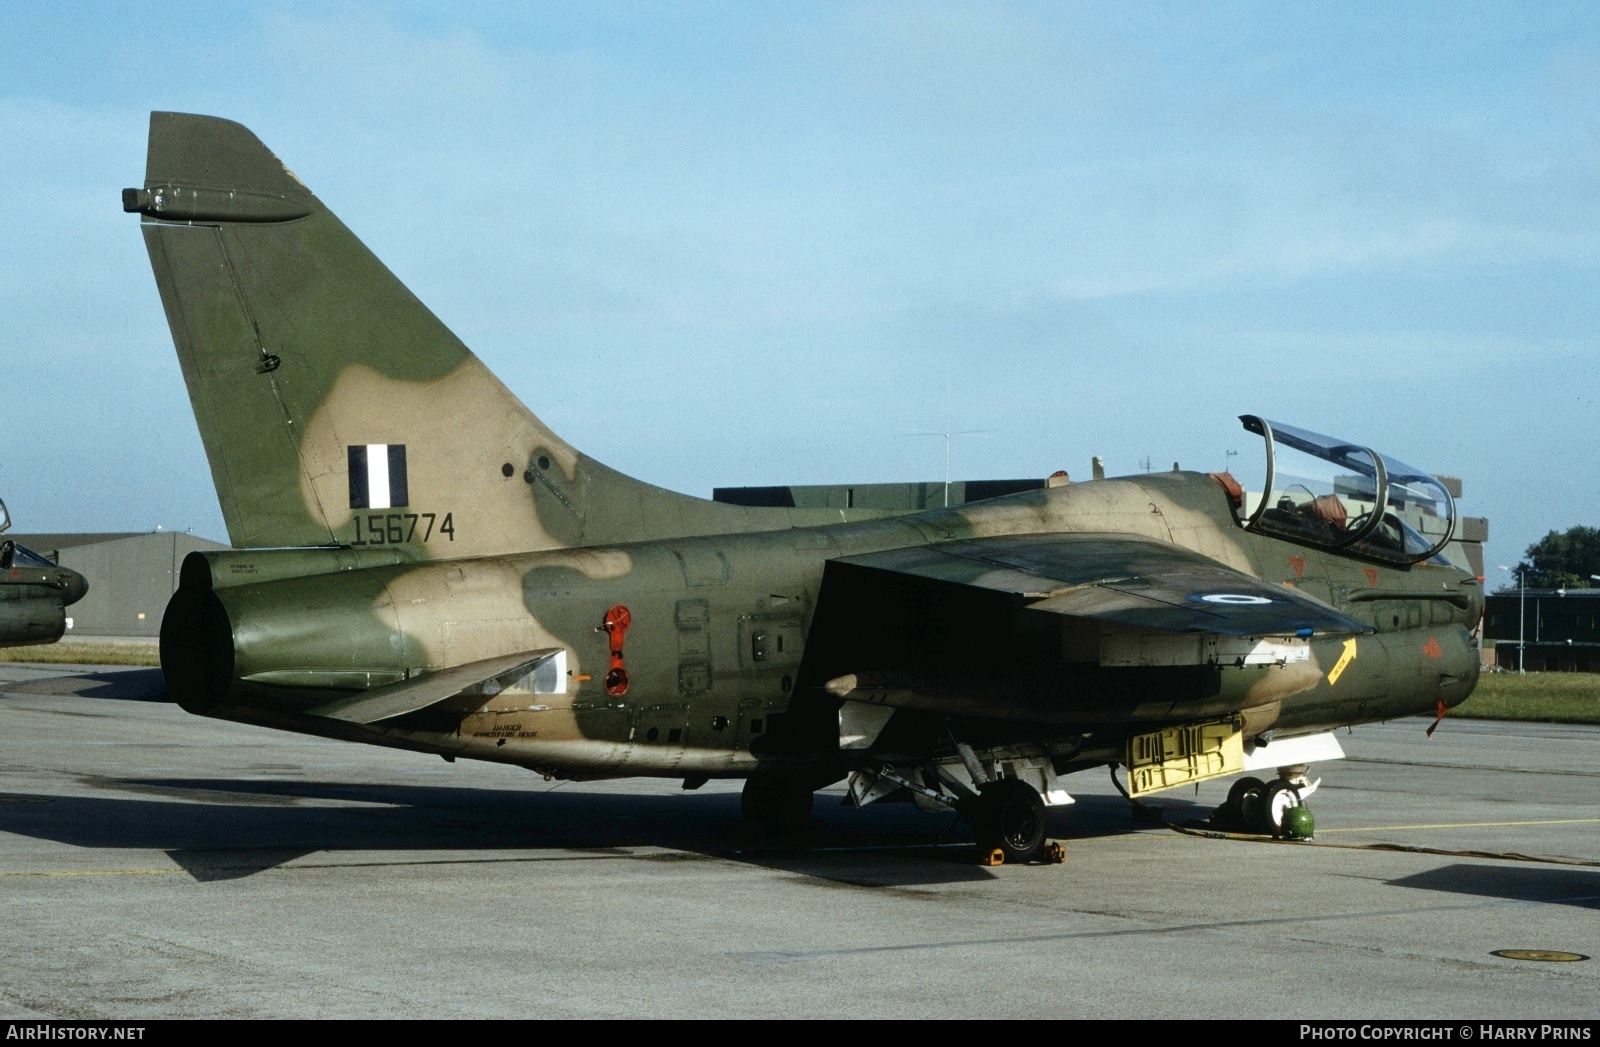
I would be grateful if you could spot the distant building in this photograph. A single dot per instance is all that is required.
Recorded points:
(1559, 629)
(131, 576)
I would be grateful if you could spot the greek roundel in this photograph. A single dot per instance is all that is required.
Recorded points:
(378, 476)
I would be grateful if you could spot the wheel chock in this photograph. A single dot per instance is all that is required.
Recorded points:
(994, 857)
(1053, 854)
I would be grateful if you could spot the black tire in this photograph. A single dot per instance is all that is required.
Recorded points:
(1244, 801)
(776, 804)
(1242, 786)
(1276, 797)
(1009, 816)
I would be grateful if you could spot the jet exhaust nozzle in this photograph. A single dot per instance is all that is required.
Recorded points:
(196, 648)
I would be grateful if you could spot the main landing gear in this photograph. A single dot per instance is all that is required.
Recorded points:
(1002, 794)
(1275, 808)
(1008, 822)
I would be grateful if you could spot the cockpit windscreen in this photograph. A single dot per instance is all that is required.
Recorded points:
(1337, 495)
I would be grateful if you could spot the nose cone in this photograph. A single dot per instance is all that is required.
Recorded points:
(73, 586)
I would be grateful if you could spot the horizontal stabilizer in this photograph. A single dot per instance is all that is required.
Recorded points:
(407, 696)
(1136, 582)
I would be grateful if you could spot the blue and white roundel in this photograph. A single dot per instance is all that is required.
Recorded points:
(1236, 599)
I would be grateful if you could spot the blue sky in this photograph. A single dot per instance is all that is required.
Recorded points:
(789, 235)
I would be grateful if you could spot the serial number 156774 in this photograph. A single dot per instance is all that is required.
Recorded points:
(400, 528)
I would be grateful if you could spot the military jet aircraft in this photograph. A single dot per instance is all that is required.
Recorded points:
(34, 593)
(421, 563)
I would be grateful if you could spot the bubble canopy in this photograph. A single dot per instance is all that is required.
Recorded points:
(1333, 494)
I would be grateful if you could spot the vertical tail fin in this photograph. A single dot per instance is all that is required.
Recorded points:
(334, 407)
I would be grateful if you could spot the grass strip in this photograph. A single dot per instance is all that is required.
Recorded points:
(1535, 698)
(86, 652)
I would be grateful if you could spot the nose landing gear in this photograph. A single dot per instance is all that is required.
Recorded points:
(1275, 808)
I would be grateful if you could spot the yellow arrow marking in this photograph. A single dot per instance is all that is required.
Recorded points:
(1345, 659)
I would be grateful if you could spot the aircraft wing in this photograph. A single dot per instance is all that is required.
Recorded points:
(1131, 581)
(489, 676)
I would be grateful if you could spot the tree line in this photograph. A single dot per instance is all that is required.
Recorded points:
(1562, 560)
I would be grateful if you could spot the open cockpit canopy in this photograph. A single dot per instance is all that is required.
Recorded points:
(1337, 495)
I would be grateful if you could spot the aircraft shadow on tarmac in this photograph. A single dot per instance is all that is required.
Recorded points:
(124, 685)
(221, 829)
(1546, 884)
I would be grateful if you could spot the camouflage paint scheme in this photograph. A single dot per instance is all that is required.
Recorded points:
(34, 594)
(421, 625)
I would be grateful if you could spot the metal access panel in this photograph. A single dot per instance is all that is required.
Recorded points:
(771, 641)
(1175, 756)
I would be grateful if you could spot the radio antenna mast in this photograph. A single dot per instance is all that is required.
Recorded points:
(947, 434)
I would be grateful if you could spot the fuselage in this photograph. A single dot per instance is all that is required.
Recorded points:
(716, 631)
(34, 596)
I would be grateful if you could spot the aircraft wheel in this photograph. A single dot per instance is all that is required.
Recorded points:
(775, 803)
(1008, 816)
(1276, 799)
(1243, 801)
